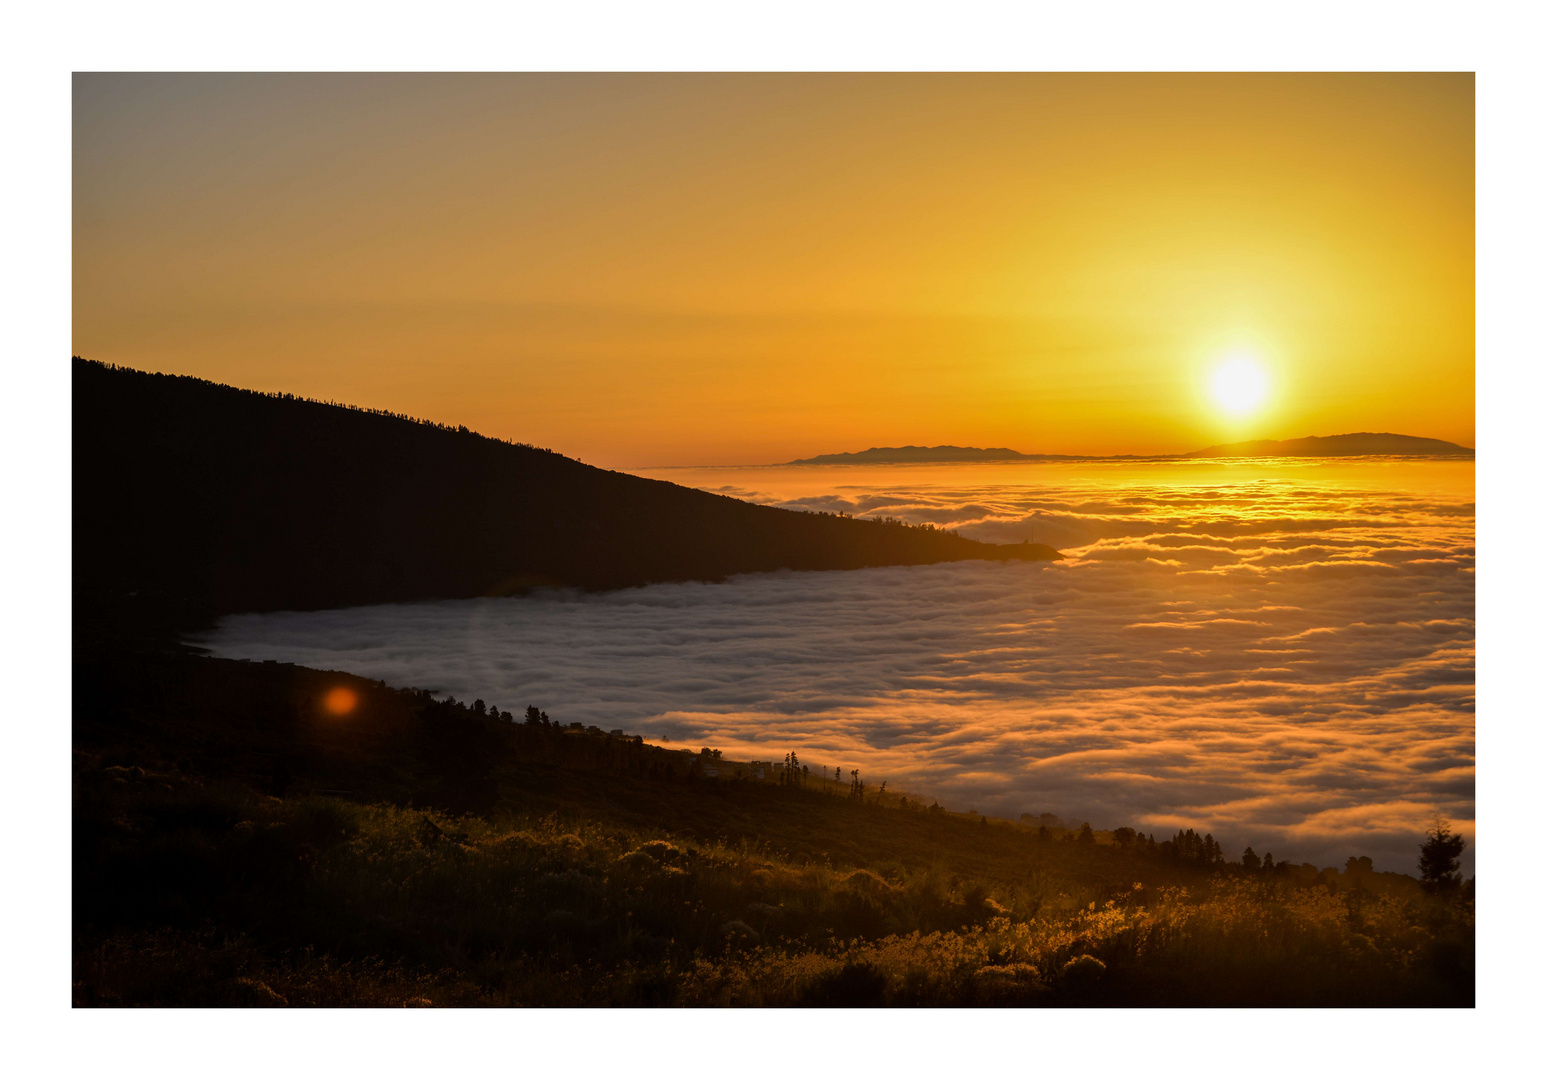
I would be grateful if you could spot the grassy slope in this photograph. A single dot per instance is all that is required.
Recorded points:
(212, 867)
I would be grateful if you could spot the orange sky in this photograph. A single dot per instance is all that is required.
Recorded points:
(658, 269)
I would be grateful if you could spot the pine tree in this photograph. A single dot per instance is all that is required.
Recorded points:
(1439, 859)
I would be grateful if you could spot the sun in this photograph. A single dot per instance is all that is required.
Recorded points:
(1239, 385)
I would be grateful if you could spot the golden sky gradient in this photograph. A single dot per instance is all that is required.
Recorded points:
(657, 269)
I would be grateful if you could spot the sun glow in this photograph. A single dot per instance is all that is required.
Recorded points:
(893, 258)
(1239, 386)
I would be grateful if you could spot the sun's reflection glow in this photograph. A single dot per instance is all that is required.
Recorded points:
(341, 701)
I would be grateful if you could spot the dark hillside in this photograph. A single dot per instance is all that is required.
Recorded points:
(237, 841)
(199, 499)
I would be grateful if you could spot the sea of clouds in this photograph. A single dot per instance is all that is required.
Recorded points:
(1284, 662)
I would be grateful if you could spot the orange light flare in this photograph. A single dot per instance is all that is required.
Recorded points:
(341, 701)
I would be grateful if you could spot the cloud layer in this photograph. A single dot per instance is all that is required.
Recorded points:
(1287, 664)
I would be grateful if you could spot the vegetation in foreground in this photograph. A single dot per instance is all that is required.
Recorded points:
(238, 843)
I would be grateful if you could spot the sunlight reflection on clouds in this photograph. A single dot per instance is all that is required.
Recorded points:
(1287, 664)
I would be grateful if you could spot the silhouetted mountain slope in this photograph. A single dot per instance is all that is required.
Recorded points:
(1356, 444)
(216, 500)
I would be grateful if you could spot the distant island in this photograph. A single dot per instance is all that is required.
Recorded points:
(1356, 444)
(924, 455)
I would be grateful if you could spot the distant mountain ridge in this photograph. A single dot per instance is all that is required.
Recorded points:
(197, 500)
(1356, 444)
